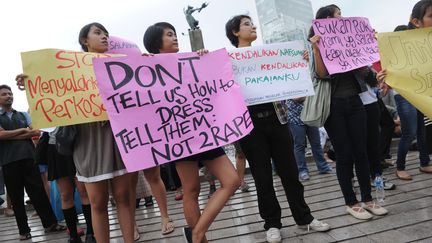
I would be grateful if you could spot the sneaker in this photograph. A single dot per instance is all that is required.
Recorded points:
(389, 186)
(316, 225)
(244, 187)
(304, 176)
(187, 234)
(8, 212)
(273, 235)
(328, 171)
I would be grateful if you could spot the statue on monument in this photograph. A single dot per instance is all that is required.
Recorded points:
(193, 23)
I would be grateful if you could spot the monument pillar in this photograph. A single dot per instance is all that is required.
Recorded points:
(196, 39)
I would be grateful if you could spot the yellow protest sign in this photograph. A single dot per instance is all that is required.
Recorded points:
(61, 87)
(407, 56)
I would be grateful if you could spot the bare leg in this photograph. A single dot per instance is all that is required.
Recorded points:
(189, 176)
(66, 190)
(98, 196)
(82, 192)
(121, 187)
(222, 169)
(152, 176)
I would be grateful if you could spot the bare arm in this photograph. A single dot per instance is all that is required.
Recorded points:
(30, 134)
(8, 135)
(320, 68)
(21, 133)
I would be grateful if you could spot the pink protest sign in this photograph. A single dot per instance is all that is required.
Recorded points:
(118, 45)
(171, 106)
(346, 43)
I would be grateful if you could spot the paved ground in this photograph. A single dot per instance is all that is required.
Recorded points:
(409, 220)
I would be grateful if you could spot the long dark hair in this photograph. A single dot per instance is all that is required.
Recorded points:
(83, 34)
(323, 13)
(419, 12)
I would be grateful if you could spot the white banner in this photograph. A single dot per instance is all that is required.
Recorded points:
(272, 72)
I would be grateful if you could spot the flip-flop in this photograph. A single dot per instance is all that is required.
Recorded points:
(25, 236)
(168, 227)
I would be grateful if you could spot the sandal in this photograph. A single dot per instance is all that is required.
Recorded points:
(55, 228)
(25, 236)
(168, 227)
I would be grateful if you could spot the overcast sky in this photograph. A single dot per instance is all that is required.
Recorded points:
(30, 25)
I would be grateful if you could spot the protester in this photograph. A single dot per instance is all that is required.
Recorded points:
(161, 38)
(372, 108)
(61, 168)
(346, 126)
(299, 131)
(271, 139)
(19, 168)
(97, 158)
(412, 120)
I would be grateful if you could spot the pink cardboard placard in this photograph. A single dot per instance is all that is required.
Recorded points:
(170, 106)
(346, 43)
(119, 45)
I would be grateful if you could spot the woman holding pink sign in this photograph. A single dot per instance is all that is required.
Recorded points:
(346, 126)
(161, 38)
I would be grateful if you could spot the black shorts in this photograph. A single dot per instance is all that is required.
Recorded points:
(204, 156)
(59, 166)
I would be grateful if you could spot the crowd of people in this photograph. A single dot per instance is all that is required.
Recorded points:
(360, 128)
